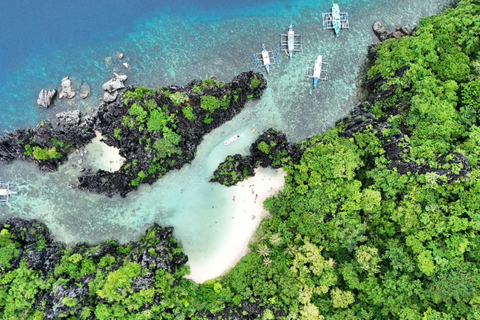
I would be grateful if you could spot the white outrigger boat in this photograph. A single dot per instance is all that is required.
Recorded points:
(5, 192)
(232, 139)
(265, 57)
(319, 70)
(291, 42)
(335, 19)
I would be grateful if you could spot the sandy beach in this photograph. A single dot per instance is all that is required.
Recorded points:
(107, 158)
(247, 211)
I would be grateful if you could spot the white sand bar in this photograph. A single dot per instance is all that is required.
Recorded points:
(246, 213)
(106, 157)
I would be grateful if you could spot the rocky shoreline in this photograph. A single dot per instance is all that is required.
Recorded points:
(271, 149)
(160, 131)
(395, 146)
(62, 275)
(46, 145)
(156, 131)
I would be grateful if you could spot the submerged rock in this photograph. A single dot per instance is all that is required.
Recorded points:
(84, 90)
(108, 62)
(45, 97)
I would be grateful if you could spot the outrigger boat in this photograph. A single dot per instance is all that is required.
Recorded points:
(319, 70)
(5, 192)
(265, 58)
(291, 42)
(335, 19)
(232, 139)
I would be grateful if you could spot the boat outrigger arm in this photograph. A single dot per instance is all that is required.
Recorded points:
(335, 19)
(291, 42)
(318, 71)
(265, 58)
(5, 192)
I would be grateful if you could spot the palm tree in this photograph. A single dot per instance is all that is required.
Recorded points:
(263, 250)
(275, 239)
(290, 249)
(267, 262)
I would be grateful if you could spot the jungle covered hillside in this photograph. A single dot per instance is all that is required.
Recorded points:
(380, 219)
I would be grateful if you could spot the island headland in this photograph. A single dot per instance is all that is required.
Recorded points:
(155, 131)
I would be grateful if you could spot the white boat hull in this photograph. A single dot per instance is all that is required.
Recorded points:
(232, 139)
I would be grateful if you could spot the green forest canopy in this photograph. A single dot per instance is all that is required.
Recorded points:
(348, 237)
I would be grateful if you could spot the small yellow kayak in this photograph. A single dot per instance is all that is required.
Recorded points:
(253, 131)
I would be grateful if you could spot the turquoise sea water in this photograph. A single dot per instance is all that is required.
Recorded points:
(174, 44)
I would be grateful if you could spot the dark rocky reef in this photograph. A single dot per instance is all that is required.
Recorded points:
(234, 169)
(71, 271)
(271, 149)
(46, 145)
(383, 34)
(160, 131)
(156, 131)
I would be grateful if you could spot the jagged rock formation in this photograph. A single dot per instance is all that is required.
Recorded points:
(271, 149)
(58, 263)
(45, 145)
(383, 34)
(45, 97)
(112, 86)
(152, 146)
(396, 147)
(67, 91)
(84, 90)
(69, 118)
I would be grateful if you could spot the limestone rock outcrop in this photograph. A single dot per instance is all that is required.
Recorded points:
(69, 118)
(45, 98)
(112, 86)
(383, 34)
(67, 90)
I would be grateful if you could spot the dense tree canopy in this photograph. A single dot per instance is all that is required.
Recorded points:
(351, 236)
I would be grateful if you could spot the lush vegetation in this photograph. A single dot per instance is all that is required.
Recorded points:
(107, 281)
(271, 149)
(157, 131)
(351, 236)
(232, 170)
(58, 150)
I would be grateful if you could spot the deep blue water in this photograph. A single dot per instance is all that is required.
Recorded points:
(32, 28)
(40, 39)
